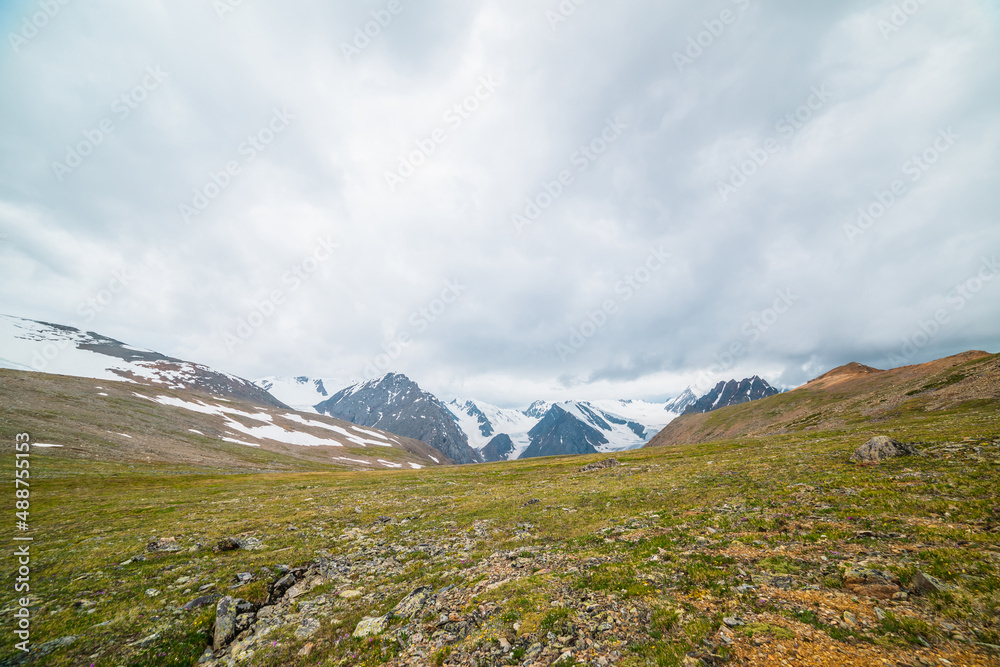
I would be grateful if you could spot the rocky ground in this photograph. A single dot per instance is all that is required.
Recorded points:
(782, 552)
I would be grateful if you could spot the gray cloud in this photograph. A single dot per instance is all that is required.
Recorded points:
(886, 95)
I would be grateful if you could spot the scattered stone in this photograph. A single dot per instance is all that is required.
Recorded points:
(782, 581)
(409, 606)
(200, 602)
(225, 622)
(152, 592)
(304, 586)
(307, 628)
(925, 583)
(163, 545)
(881, 448)
(600, 465)
(145, 641)
(879, 614)
(244, 578)
(872, 583)
(369, 626)
(533, 501)
(279, 587)
(850, 619)
(249, 543)
(732, 621)
(45, 649)
(350, 594)
(226, 544)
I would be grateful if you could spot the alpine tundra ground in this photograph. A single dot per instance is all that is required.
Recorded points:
(759, 551)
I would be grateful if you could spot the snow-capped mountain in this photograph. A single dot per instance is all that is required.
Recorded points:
(28, 345)
(394, 403)
(301, 393)
(680, 404)
(733, 393)
(499, 434)
(469, 430)
(538, 409)
(544, 429)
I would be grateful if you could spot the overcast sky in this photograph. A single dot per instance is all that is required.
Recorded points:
(528, 199)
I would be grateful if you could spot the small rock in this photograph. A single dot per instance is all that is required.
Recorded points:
(279, 587)
(902, 595)
(881, 448)
(225, 622)
(307, 628)
(200, 602)
(226, 544)
(303, 587)
(850, 619)
(732, 621)
(307, 649)
(369, 626)
(244, 577)
(350, 594)
(413, 603)
(873, 583)
(879, 614)
(600, 465)
(925, 583)
(163, 545)
(152, 592)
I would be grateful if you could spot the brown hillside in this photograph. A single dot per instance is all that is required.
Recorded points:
(853, 395)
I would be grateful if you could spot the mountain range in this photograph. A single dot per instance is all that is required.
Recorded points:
(471, 431)
(462, 430)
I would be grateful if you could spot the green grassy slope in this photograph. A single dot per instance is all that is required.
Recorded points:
(637, 565)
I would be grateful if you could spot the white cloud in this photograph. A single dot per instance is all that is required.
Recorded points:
(451, 220)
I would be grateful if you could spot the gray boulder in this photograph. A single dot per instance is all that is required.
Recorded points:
(409, 606)
(369, 627)
(881, 448)
(225, 622)
(925, 583)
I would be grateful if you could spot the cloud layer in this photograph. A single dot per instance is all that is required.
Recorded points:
(509, 200)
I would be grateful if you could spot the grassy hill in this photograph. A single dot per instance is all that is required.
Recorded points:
(738, 551)
(860, 400)
(105, 427)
